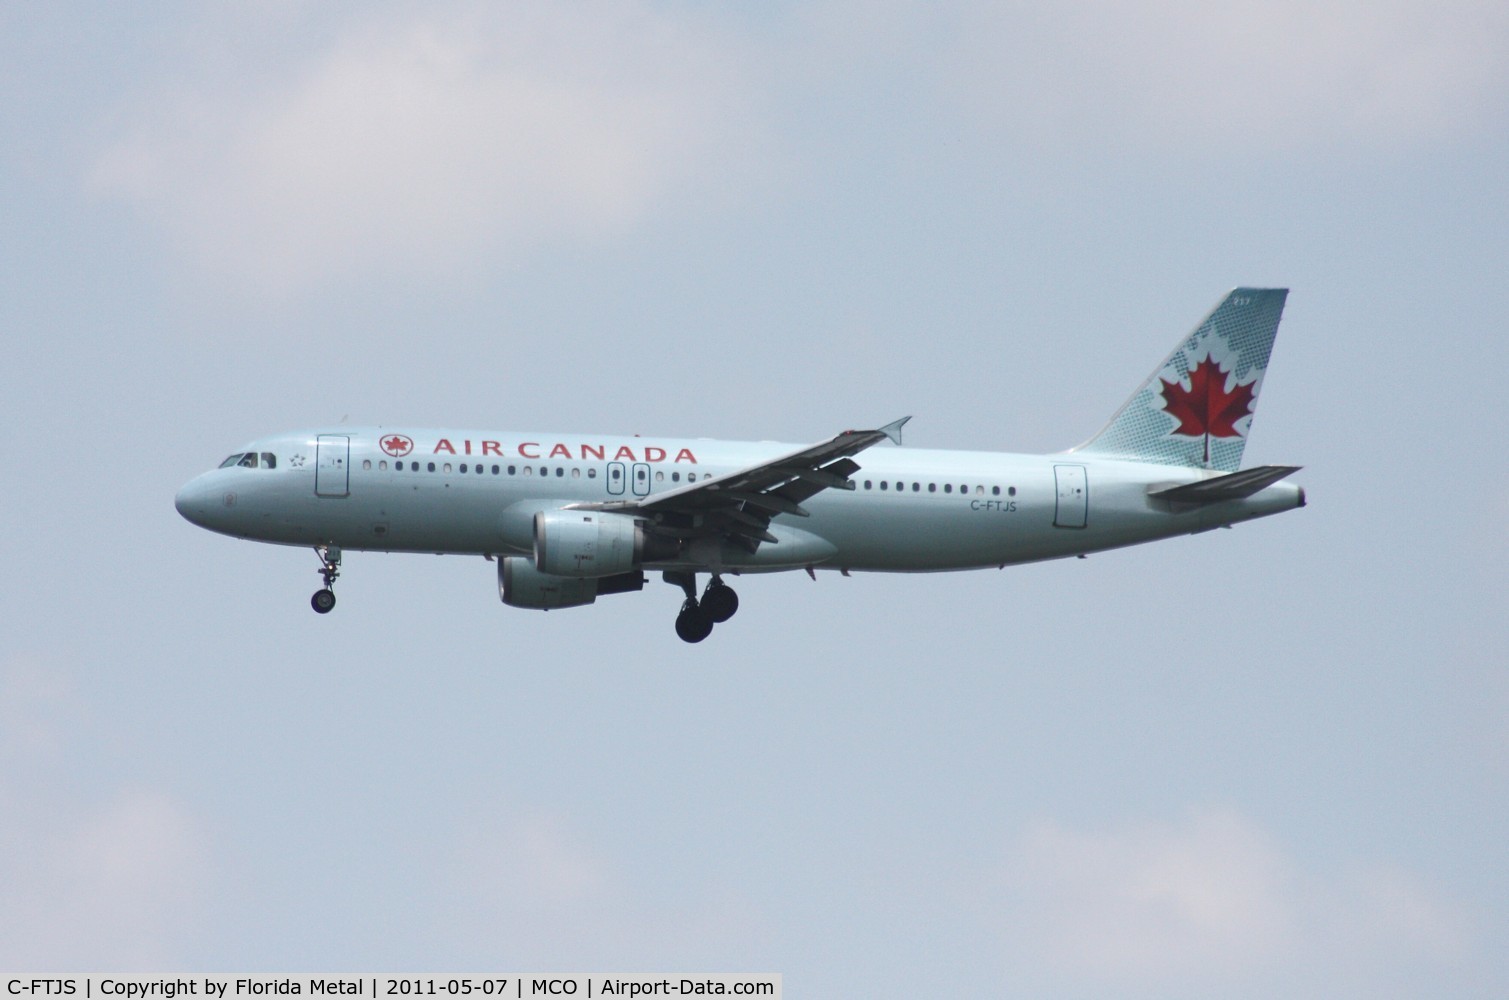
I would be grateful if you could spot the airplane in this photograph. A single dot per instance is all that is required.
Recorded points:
(570, 518)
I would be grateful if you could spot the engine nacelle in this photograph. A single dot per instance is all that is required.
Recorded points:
(584, 543)
(520, 585)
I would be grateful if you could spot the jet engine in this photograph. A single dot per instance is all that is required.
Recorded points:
(522, 586)
(581, 543)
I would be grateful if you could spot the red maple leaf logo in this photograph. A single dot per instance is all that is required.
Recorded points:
(1206, 407)
(398, 445)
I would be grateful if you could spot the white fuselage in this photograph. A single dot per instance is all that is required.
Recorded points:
(912, 510)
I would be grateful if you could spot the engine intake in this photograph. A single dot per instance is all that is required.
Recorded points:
(580, 543)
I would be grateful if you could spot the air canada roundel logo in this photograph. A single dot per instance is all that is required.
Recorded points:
(397, 445)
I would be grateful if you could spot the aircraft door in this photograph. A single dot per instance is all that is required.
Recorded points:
(1073, 496)
(332, 473)
(641, 479)
(616, 478)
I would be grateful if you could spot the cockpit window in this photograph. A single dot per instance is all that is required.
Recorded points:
(248, 460)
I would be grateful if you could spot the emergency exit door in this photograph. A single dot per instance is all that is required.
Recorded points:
(332, 473)
(1073, 497)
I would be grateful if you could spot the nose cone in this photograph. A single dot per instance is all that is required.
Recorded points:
(193, 502)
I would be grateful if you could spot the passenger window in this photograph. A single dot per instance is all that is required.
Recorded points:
(592, 473)
(495, 470)
(447, 467)
(576, 473)
(932, 487)
(916, 487)
(884, 485)
(560, 471)
(269, 460)
(948, 487)
(432, 466)
(1011, 491)
(867, 484)
(382, 466)
(979, 491)
(249, 460)
(659, 477)
(528, 470)
(511, 470)
(675, 477)
(995, 491)
(366, 465)
(691, 477)
(544, 471)
(463, 467)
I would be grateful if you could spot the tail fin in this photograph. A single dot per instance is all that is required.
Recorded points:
(1196, 409)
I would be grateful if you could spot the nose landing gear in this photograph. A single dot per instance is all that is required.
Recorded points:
(697, 618)
(330, 568)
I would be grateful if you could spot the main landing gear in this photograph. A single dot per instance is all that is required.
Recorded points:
(697, 618)
(330, 568)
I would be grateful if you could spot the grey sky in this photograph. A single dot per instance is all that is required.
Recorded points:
(1269, 761)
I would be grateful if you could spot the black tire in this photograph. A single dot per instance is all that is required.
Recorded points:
(323, 601)
(719, 603)
(692, 625)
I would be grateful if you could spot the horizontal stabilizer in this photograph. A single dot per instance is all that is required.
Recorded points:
(1235, 486)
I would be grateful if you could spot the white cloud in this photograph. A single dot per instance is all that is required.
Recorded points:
(1279, 76)
(37, 707)
(538, 859)
(540, 884)
(1149, 902)
(413, 145)
(108, 879)
(115, 884)
(1213, 903)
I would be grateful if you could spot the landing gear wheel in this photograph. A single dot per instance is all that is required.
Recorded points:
(719, 602)
(330, 568)
(693, 625)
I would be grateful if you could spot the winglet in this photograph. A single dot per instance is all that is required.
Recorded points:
(892, 430)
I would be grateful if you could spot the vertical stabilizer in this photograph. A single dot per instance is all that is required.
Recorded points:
(1196, 409)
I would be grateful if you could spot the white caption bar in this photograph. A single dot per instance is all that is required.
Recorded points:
(266, 986)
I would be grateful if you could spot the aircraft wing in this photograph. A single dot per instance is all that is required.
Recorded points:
(739, 505)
